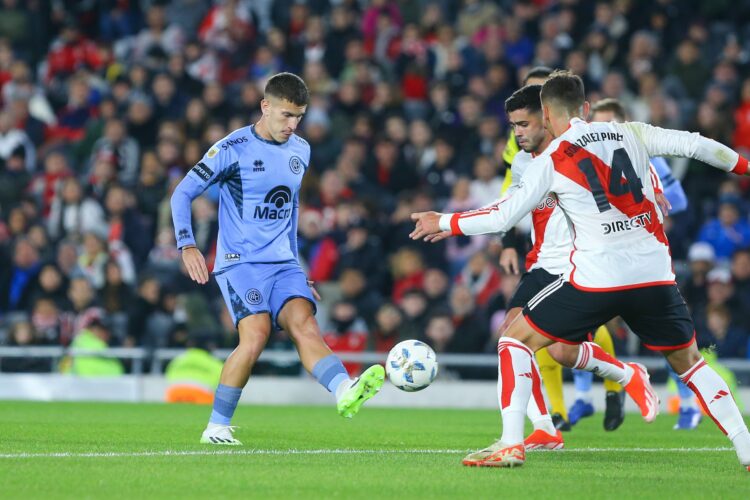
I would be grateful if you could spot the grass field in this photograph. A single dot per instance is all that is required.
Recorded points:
(93, 450)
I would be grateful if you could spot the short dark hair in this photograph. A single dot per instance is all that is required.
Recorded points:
(612, 105)
(525, 98)
(288, 86)
(565, 89)
(537, 72)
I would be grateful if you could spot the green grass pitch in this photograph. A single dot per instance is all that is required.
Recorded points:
(95, 450)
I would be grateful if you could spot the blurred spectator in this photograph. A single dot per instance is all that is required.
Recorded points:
(389, 329)
(481, 277)
(727, 232)
(72, 214)
(472, 325)
(348, 333)
(15, 142)
(17, 280)
(727, 340)
(22, 334)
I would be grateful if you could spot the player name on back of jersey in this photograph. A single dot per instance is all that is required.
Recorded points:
(597, 137)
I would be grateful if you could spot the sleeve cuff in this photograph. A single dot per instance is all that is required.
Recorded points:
(449, 222)
(741, 167)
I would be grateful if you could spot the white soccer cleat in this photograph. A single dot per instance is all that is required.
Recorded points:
(220, 434)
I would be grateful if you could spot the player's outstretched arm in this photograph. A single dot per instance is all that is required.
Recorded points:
(667, 142)
(496, 218)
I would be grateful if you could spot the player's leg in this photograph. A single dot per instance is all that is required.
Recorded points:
(583, 405)
(293, 308)
(552, 377)
(714, 396)
(614, 413)
(689, 414)
(515, 375)
(544, 435)
(251, 315)
(633, 376)
(661, 319)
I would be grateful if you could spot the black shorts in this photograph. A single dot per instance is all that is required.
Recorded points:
(657, 314)
(532, 282)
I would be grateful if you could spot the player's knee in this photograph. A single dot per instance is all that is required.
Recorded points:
(566, 355)
(302, 327)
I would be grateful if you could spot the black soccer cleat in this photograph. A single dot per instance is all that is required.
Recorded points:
(614, 415)
(560, 423)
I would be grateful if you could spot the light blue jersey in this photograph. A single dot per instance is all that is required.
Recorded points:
(259, 182)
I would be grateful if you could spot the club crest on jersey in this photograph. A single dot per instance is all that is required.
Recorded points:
(295, 163)
(275, 204)
(640, 220)
(253, 296)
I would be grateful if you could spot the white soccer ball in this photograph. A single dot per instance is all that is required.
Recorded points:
(411, 365)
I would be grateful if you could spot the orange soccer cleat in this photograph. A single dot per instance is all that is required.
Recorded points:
(541, 440)
(639, 388)
(497, 455)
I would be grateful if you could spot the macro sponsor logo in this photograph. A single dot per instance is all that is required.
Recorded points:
(233, 142)
(275, 204)
(231, 257)
(640, 220)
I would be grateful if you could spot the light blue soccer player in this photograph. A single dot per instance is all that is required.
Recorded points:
(259, 171)
(612, 110)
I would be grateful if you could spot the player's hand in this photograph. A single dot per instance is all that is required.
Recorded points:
(509, 260)
(663, 203)
(427, 224)
(195, 264)
(315, 293)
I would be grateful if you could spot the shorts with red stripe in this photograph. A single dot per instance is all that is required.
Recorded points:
(657, 314)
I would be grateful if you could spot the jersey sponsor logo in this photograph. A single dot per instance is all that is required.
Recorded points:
(295, 164)
(203, 171)
(258, 166)
(183, 234)
(231, 257)
(278, 198)
(548, 203)
(233, 142)
(253, 296)
(640, 220)
(212, 152)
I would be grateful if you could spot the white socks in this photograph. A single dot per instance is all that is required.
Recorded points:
(513, 387)
(342, 387)
(537, 408)
(593, 358)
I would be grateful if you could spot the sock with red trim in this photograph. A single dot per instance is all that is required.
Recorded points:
(537, 407)
(514, 382)
(716, 399)
(593, 358)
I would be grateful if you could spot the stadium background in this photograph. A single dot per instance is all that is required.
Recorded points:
(106, 105)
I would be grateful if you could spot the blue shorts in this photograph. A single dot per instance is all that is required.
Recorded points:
(262, 288)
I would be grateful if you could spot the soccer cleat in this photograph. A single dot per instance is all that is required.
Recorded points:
(614, 414)
(541, 440)
(579, 410)
(560, 423)
(497, 454)
(639, 388)
(220, 434)
(363, 388)
(688, 420)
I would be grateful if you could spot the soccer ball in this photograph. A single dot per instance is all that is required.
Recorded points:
(411, 365)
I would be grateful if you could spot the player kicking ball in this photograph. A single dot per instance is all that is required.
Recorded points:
(259, 170)
(620, 263)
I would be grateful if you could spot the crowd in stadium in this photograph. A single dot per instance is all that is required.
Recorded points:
(106, 105)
